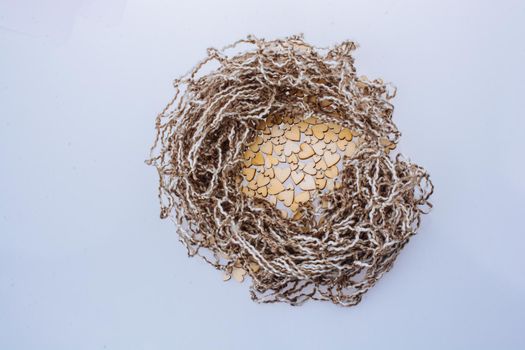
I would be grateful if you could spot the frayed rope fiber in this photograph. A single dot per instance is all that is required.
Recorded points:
(335, 252)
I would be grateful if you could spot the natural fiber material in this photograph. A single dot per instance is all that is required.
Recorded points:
(204, 130)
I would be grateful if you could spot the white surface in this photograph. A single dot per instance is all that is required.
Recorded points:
(85, 262)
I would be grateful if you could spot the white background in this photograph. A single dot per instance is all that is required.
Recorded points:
(85, 261)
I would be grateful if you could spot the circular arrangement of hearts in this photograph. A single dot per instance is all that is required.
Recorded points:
(276, 161)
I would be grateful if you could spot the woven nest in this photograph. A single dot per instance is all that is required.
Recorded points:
(335, 252)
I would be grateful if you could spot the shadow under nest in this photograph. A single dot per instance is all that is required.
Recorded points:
(332, 253)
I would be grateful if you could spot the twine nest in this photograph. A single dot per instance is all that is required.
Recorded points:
(204, 130)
